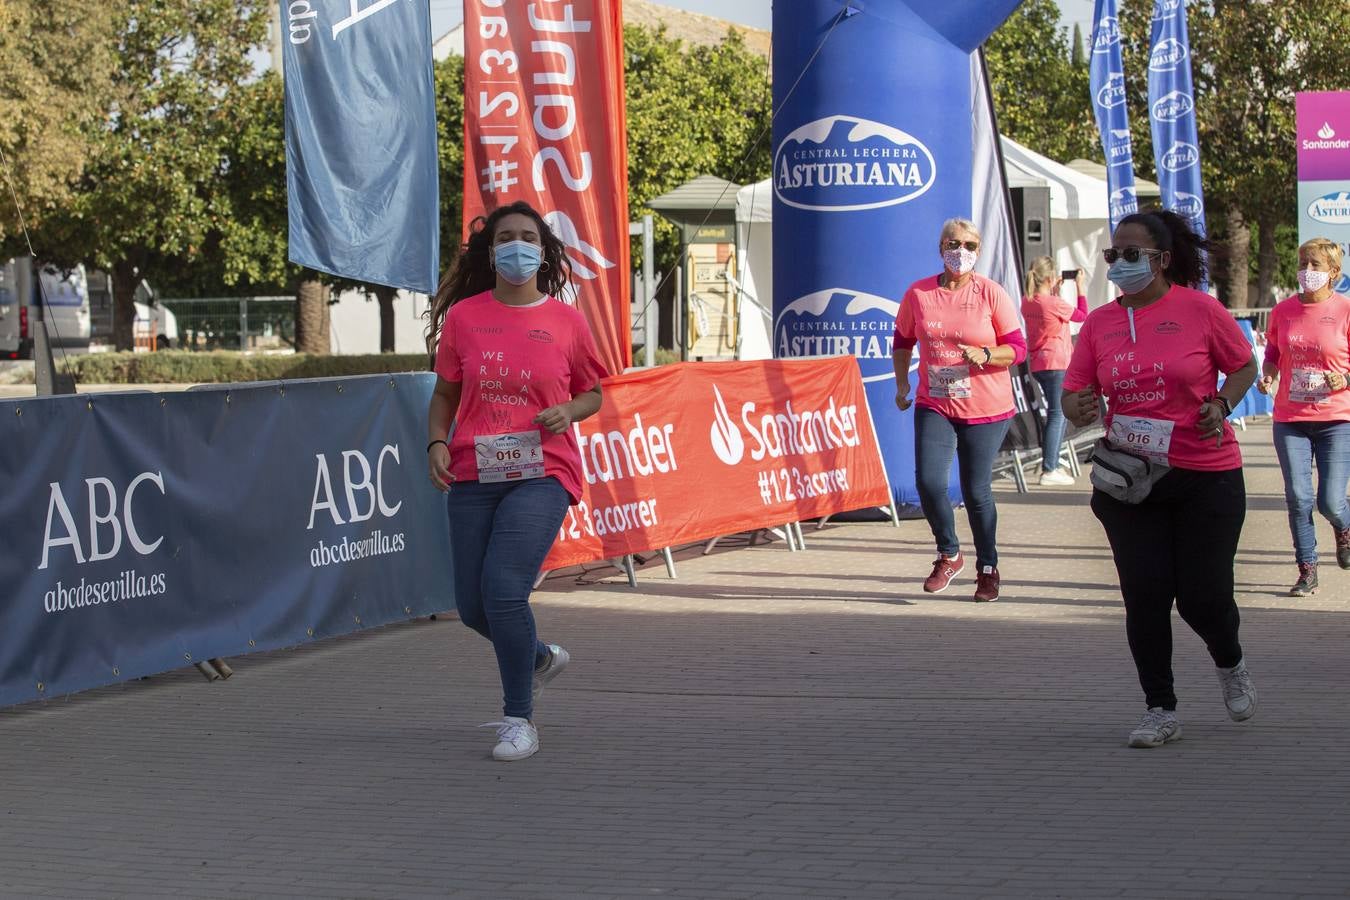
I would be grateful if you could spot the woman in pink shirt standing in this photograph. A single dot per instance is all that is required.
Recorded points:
(968, 334)
(1307, 358)
(1049, 343)
(515, 368)
(1155, 355)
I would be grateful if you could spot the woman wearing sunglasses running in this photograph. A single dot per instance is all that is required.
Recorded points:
(968, 334)
(515, 368)
(1155, 355)
(1307, 357)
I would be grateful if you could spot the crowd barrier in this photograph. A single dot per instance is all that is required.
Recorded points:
(144, 532)
(689, 452)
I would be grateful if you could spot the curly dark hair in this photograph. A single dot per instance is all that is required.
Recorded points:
(1173, 233)
(472, 272)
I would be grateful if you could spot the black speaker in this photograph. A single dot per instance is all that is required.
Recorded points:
(1031, 218)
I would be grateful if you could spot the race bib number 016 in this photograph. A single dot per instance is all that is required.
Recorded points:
(949, 382)
(509, 457)
(1308, 386)
(1149, 438)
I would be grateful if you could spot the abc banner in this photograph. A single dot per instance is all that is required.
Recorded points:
(1107, 75)
(544, 123)
(361, 171)
(872, 153)
(688, 452)
(1324, 170)
(147, 531)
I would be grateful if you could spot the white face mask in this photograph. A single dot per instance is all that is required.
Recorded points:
(960, 260)
(1311, 281)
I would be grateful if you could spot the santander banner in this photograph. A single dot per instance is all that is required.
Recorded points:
(688, 452)
(1324, 169)
(544, 123)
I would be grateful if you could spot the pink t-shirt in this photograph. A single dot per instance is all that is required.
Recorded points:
(514, 362)
(1049, 341)
(977, 315)
(1155, 380)
(1310, 339)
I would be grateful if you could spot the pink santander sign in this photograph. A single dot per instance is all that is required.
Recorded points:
(1323, 123)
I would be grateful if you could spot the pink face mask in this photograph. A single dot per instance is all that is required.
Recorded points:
(959, 260)
(1311, 281)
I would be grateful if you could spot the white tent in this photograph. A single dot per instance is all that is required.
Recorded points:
(1079, 229)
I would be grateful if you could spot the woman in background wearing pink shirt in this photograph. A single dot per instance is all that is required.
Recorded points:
(1155, 355)
(1049, 343)
(968, 335)
(1307, 357)
(515, 368)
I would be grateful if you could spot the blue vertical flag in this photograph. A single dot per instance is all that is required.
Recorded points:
(1171, 101)
(1107, 73)
(361, 168)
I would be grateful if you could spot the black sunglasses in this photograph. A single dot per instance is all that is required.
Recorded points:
(954, 244)
(1131, 254)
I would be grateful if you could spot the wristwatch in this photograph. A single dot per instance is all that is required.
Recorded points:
(988, 357)
(1223, 401)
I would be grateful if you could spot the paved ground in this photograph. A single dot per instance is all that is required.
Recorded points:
(771, 725)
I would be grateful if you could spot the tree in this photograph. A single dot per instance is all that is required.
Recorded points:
(692, 111)
(48, 106)
(1078, 58)
(146, 203)
(1040, 87)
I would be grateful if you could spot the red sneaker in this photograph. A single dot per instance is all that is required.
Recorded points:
(945, 568)
(986, 585)
(1343, 547)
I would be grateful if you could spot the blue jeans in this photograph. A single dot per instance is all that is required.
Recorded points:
(936, 440)
(499, 536)
(1052, 384)
(1299, 445)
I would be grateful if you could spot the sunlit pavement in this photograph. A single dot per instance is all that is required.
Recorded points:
(770, 724)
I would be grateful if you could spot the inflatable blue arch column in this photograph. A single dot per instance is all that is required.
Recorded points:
(872, 153)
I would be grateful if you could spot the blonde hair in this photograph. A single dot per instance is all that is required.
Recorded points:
(952, 225)
(1328, 249)
(1041, 270)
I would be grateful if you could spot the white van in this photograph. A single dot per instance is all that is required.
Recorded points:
(66, 310)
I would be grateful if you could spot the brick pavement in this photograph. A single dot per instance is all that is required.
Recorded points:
(772, 724)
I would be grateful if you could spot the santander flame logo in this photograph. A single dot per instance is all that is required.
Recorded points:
(727, 442)
(1326, 132)
(580, 253)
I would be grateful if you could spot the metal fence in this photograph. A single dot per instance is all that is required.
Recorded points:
(230, 323)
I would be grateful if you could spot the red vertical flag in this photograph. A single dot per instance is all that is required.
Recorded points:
(544, 123)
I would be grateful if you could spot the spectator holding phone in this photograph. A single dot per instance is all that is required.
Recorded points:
(1049, 343)
(1307, 358)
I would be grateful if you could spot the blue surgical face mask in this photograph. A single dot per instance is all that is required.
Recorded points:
(517, 261)
(1131, 277)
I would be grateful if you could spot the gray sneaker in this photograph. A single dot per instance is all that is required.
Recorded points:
(558, 659)
(1239, 695)
(1159, 726)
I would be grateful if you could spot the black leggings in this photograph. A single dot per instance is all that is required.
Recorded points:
(1179, 544)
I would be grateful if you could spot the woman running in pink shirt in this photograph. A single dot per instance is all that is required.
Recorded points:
(515, 368)
(968, 334)
(1049, 343)
(1307, 358)
(1155, 355)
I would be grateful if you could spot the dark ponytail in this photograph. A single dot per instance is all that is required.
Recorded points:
(1171, 232)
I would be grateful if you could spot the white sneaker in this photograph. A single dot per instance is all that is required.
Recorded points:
(1058, 478)
(516, 739)
(1239, 695)
(1159, 726)
(558, 660)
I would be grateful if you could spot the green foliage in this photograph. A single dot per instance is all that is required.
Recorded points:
(221, 367)
(56, 68)
(1041, 92)
(450, 141)
(692, 111)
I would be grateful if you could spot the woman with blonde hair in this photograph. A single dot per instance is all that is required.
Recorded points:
(1307, 358)
(968, 334)
(1049, 345)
